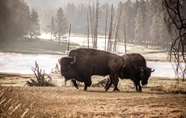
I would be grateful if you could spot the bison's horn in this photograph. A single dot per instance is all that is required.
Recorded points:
(74, 60)
(152, 70)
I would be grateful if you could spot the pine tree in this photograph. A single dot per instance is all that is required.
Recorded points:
(70, 12)
(61, 24)
(148, 22)
(34, 24)
(138, 31)
(46, 20)
(80, 17)
(117, 25)
(19, 18)
(14, 19)
(52, 27)
(96, 21)
(5, 21)
(162, 30)
(110, 35)
(143, 9)
(24, 21)
(154, 29)
(128, 16)
(157, 22)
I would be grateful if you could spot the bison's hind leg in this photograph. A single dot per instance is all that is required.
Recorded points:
(113, 80)
(108, 84)
(116, 89)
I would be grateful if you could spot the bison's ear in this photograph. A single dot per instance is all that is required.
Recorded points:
(73, 61)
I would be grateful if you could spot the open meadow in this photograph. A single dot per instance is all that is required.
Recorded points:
(144, 40)
(162, 98)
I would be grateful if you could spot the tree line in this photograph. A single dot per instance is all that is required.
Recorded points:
(142, 21)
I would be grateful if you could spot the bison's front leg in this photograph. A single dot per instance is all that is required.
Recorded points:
(138, 87)
(75, 84)
(87, 83)
(136, 83)
(140, 90)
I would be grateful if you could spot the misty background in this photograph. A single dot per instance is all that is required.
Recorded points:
(140, 22)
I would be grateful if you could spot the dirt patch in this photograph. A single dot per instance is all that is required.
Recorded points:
(156, 100)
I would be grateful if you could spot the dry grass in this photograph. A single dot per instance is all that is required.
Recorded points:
(68, 102)
(162, 98)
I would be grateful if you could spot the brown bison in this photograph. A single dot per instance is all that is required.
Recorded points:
(134, 68)
(82, 63)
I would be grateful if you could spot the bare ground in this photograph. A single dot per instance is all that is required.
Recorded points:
(163, 98)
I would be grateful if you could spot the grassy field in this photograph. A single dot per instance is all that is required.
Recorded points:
(34, 46)
(163, 98)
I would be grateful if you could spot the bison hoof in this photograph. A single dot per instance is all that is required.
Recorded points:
(77, 87)
(84, 89)
(115, 90)
(106, 90)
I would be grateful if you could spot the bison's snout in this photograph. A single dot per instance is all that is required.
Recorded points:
(66, 76)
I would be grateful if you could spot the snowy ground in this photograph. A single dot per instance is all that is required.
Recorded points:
(83, 42)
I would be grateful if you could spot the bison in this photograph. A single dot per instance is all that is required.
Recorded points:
(134, 68)
(82, 63)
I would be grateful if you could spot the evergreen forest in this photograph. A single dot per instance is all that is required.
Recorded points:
(140, 22)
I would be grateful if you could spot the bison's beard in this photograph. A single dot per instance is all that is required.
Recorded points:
(66, 76)
(144, 83)
(143, 79)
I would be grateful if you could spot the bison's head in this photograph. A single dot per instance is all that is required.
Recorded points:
(67, 67)
(145, 74)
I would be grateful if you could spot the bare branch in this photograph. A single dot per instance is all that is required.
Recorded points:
(176, 25)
